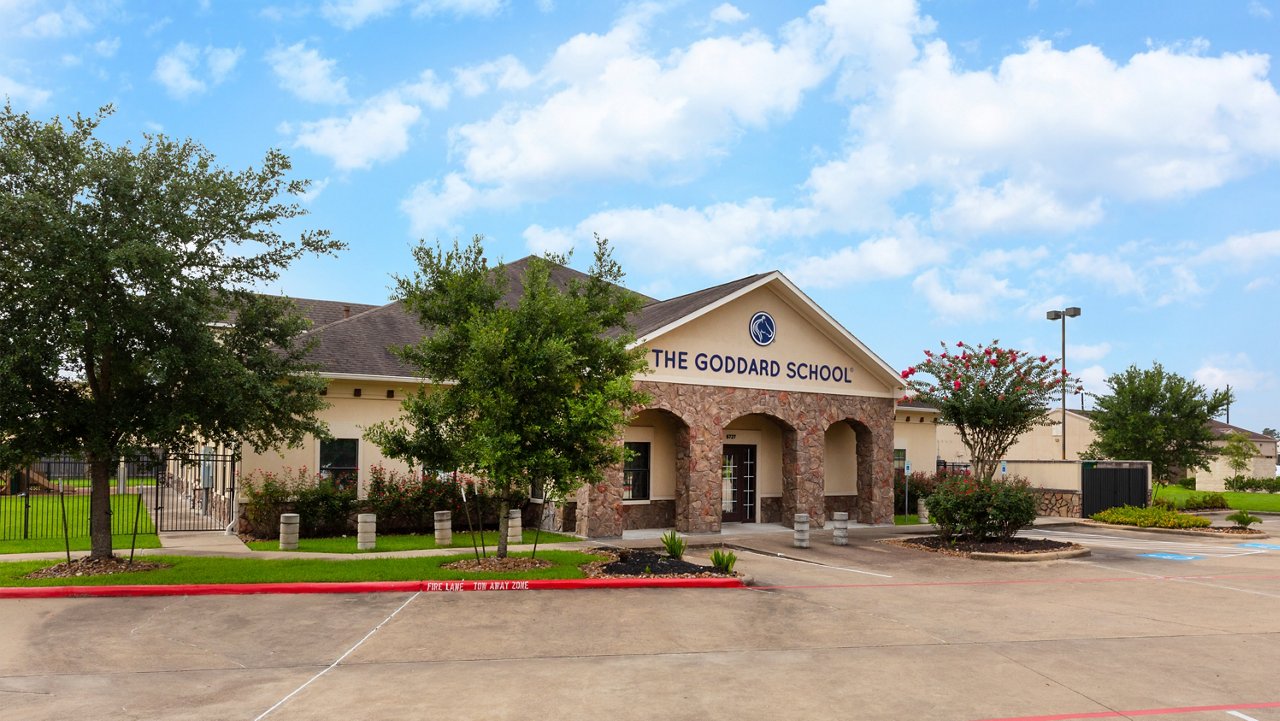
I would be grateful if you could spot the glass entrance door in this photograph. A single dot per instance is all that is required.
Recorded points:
(738, 474)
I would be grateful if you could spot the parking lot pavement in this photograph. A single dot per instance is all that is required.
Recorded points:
(865, 631)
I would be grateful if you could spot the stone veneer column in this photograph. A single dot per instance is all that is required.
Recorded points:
(803, 475)
(875, 472)
(600, 506)
(698, 499)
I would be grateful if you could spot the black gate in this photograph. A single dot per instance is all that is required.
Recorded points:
(193, 491)
(1106, 485)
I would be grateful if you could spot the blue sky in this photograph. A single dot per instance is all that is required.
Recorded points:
(929, 171)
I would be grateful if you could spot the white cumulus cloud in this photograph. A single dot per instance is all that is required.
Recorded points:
(351, 14)
(376, 132)
(185, 70)
(22, 94)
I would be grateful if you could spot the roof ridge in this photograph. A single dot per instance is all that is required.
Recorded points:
(352, 317)
(714, 287)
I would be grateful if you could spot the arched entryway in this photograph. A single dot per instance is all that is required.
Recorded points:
(757, 475)
(851, 468)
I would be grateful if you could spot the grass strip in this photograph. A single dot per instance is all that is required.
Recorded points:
(44, 518)
(79, 543)
(404, 542)
(210, 569)
(910, 520)
(1237, 500)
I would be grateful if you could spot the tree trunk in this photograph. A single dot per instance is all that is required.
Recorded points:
(100, 507)
(503, 523)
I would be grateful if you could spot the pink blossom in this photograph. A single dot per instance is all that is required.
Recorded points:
(907, 373)
(959, 344)
(1044, 359)
(994, 362)
(956, 385)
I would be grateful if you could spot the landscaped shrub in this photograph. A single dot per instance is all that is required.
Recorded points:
(920, 487)
(323, 509)
(723, 560)
(1243, 519)
(407, 503)
(966, 506)
(267, 495)
(1150, 518)
(1244, 483)
(1205, 501)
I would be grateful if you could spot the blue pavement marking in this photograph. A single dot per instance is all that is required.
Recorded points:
(1170, 556)
(1264, 546)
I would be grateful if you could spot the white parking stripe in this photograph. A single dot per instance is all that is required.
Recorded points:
(1239, 715)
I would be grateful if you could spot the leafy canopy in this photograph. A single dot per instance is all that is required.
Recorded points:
(127, 318)
(1238, 450)
(529, 391)
(1158, 416)
(990, 394)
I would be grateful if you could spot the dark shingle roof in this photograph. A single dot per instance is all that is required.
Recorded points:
(362, 343)
(1221, 429)
(324, 312)
(661, 313)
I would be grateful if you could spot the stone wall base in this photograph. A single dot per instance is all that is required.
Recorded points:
(654, 514)
(842, 504)
(1057, 503)
(771, 510)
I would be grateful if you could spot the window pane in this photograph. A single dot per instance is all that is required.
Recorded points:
(340, 461)
(635, 472)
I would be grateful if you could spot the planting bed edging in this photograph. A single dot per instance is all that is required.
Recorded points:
(1253, 534)
(234, 589)
(1025, 557)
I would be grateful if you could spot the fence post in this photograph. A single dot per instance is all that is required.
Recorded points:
(514, 532)
(801, 527)
(289, 531)
(366, 531)
(444, 529)
(840, 524)
(26, 515)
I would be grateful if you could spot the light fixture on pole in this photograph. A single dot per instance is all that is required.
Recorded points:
(1063, 315)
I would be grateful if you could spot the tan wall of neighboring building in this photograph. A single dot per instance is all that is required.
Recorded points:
(347, 417)
(1262, 465)
(917, 433)
(724, 332)
(1042, 443)
(1059, 475)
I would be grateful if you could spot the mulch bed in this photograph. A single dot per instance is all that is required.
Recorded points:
(964, 547)
(95, 567)
(639, 562)
(520, 563)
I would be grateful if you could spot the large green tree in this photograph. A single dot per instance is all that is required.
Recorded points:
(1158, 416)
(991, 394)
(532, 392)
(127, 319)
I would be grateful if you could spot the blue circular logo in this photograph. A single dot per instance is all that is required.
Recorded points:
(762, 328)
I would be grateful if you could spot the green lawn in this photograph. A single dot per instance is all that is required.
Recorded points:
(1243, 501)
(911, 520)
(407, 542)
(44, 520)
(208, 569)
(78, 543)
(85, 482)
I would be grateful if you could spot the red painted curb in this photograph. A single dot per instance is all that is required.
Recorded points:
(236, 589)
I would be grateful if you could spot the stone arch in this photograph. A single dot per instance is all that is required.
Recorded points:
(872, 503)
(775, 475)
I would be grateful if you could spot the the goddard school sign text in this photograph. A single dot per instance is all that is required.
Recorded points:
(743, 366)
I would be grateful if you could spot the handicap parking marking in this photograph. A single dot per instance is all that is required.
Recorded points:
(1189, 550)
(1263, 546)
(1169, 556)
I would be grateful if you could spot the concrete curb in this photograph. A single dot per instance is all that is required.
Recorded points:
(235, 589)
(1174, 531)
(1030, 557)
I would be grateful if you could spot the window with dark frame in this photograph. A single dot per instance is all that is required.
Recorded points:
(340, 461)
(635, 472)
(899, 463)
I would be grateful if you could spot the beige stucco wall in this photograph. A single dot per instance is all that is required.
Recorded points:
(347, 417)
(1042, 443)
(917, 432)
(1262, 465)
(1059, 475)
(724, 332)
(840, 460)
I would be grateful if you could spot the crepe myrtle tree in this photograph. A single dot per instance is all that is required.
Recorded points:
(127, 317)
(530, 392)
(990, 394)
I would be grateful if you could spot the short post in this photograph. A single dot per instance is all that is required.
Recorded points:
(514, 532)
(922, 511)
(801, 527)
(289, 531)
(366, 531)
(840, 525)
(444, 529)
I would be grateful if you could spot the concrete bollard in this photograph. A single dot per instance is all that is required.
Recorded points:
(801, 527)
(514, 532)
(444, 529)
(289, 531)
(840, 526)
(922, 510)
(366, 531)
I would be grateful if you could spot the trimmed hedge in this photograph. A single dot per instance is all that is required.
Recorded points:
(1244, 483)
(1150, 518)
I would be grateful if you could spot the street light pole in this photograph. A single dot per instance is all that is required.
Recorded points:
(1063, 315)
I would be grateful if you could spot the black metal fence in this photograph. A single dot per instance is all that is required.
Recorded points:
(154, 492)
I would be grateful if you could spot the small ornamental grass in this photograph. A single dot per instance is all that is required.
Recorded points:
(1243, 519)
(1150, 518)
(723, 560)
(963, 506)
(674, 544)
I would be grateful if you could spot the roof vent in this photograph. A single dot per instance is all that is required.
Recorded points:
(346, 311)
